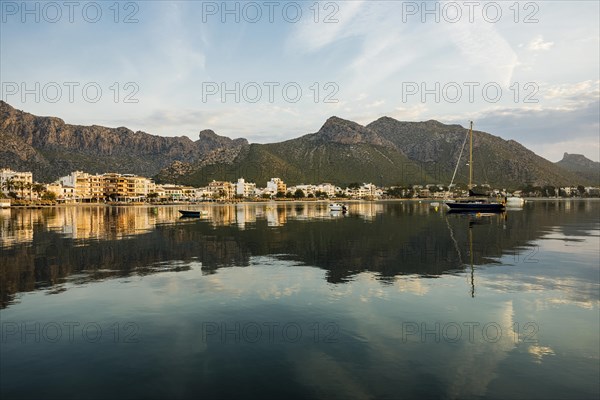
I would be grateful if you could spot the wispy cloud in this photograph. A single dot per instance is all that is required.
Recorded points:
(308, 36)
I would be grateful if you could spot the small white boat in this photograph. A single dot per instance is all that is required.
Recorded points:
(337, 207)
(515, 201)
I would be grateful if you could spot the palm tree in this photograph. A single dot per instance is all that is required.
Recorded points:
(8, 184)
(20, 186)
(28, 187)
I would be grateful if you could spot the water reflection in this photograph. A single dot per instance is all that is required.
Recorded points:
(42, 248)
(109, 223)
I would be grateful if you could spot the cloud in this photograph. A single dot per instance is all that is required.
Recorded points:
(538, 44)
(310, 37)
(566, 118)
(575, 93)
(375, 104)
(484, 48)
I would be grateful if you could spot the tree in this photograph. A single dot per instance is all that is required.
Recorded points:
(266, 196)
(354, 185)
(49, 196)
(299, 194)
(581, 190)
(28, 187)
(549, 191)
(8, 184)
(20, 186)
(408, 193)
(395, 192)
(280, 195)
(38, 188)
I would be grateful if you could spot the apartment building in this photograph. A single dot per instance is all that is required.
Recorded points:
(127, 186)
(244, 189)
(276, 185)
(367, 190)
(18, 182)
(86, 187)
(222, 189)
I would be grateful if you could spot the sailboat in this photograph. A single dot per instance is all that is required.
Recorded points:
(473, 204)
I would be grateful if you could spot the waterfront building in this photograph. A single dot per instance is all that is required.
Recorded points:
(173, 192)
(366, 190)
(222, 189)
(244, 189)
(276, 185)
(328, 188)
(87, 187)
(17, 182)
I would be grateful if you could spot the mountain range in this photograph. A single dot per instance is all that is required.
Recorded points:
(384, 152)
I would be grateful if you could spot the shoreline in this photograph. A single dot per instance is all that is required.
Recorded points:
(266, 202)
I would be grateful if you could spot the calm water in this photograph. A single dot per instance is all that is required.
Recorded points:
(394, 300)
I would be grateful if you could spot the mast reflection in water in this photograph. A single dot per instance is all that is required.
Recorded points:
(289, 300)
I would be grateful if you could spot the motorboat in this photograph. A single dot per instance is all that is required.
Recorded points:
(514, 201)
(192, 214)
(337, 207)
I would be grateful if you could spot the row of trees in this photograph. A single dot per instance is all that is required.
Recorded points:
(17, 189)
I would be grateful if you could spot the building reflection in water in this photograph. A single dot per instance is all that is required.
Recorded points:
(103, 222)
(41, 248)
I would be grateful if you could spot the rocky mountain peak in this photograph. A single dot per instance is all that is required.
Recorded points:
(342, 131)
(207, 134)
(578, 159)
(208, 141)
(581, 165)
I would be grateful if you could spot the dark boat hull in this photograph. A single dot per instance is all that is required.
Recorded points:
(190, 214)
(475, 207)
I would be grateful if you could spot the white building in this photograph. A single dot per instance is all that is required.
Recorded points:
(306, 189)
(367, 190)
(173, 192)
(328, 188)
(244, 189)
(275, 185)
(18, 182)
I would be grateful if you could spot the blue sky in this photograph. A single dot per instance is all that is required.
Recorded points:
(270, 71)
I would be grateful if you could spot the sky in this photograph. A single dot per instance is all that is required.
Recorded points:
(274, 70)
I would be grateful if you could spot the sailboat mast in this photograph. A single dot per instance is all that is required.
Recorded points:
(471, 156)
